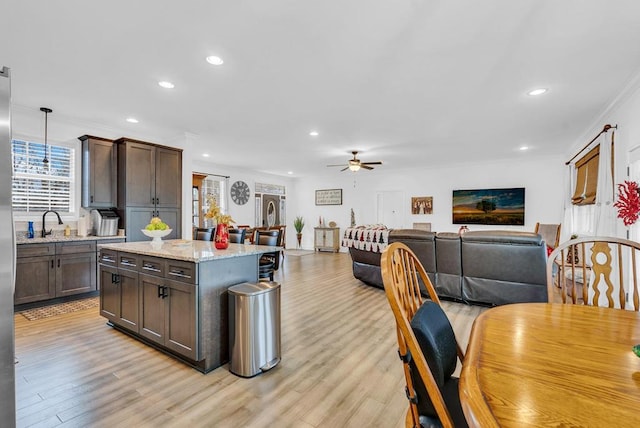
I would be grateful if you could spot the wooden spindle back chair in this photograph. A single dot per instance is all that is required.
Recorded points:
(402, 274)
(596, 271)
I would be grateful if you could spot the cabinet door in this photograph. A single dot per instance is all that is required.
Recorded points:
(136, 220)
(102, 169)
(35, 279)
(168, 178)
(75, 273)
(109, 293)
(140, 174)
(129, 300)
(152, 307)
(181, 315)
(173, 218)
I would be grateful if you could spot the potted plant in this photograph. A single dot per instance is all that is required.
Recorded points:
(298, 224)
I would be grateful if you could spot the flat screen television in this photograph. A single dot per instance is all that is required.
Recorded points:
(504, 207)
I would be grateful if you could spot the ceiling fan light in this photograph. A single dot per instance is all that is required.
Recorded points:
(354, 166)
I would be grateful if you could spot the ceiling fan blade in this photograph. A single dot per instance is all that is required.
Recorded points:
(344, 169)
(371, 163)
(365, 166)
(337, 165)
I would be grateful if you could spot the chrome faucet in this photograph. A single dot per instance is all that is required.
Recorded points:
(44, 229)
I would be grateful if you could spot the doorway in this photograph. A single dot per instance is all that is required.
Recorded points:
(389, 208)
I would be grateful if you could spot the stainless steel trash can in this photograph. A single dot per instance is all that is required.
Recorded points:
(254, 327)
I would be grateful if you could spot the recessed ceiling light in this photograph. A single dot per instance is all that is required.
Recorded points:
(205, 155)
(524, 148)
(538, 91)
(166, 85)
(215, 60)
(290, 172)
(314, 133)
(132, 120)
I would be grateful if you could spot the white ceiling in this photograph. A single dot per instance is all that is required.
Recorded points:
(409, 82)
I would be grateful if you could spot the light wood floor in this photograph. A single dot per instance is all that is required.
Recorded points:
(339, 365)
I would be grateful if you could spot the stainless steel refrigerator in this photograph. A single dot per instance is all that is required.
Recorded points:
(7, 260)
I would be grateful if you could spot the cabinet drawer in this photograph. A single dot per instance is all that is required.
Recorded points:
(76, 247)
(152, 265)
(29, 250)
(108, 257)
(128, 261)
(181, 271)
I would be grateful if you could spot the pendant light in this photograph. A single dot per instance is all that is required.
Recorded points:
(46, 112)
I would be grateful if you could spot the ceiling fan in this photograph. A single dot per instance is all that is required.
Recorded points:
(355, 164)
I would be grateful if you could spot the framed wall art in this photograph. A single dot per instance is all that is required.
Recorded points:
(329, 197)
(503, 207)
(422, 205)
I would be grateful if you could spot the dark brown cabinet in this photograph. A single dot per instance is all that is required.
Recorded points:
(119, 295)
(156, 298)
(139, 217)
(35, 273)
(46, 271)
(149, 185)
(56, 269)
(99, 172)
(75, 267)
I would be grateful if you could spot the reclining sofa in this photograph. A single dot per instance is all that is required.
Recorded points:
(481, 267)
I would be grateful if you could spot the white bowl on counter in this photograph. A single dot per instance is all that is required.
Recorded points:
(157, 235)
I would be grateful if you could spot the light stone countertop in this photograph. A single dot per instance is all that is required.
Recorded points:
(21, 238)
(191, 251)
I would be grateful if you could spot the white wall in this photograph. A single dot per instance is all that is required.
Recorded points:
(541, 177)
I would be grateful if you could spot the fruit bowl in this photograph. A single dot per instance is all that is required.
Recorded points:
(157, 235)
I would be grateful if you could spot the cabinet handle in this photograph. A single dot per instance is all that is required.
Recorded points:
(107, 259)
(179, 273)
(150, 267)
(153, 200)
(91, 198)
(162, 292)
(58, 262)
(115, 278)
(157, 201)
(51, 264)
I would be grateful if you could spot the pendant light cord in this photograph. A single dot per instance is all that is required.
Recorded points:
(46, 114)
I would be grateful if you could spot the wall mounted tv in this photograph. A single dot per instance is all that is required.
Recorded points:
(504, 207)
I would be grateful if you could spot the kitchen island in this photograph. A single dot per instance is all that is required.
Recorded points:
(173, 295)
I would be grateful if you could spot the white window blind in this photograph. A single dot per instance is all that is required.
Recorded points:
(38, 186)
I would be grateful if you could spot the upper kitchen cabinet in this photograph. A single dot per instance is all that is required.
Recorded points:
(99, 172)
(149, 177)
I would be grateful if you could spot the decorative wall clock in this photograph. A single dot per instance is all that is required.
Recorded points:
(240, 192)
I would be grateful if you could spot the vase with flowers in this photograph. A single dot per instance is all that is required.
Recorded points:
(221, 239)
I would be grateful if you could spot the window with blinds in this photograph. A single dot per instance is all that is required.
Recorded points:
(587, 178)
(37, 186)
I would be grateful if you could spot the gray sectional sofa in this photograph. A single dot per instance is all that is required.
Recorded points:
(483, 267)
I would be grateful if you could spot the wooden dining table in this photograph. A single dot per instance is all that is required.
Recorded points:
(540, 364)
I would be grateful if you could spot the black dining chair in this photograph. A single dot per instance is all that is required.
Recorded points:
(269, 262)
(237, 236)
(203, 233)
(427, 344)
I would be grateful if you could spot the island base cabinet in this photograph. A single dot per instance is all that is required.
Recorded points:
(109, 293)
(168, 314)
(119, 300)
